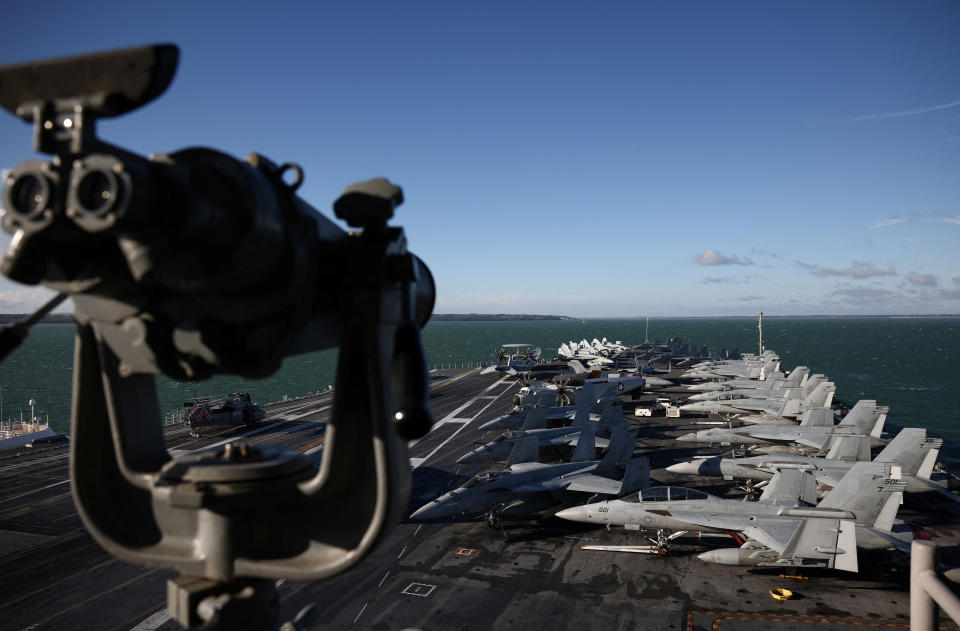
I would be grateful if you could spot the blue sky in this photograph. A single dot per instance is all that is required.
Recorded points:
(587, 159)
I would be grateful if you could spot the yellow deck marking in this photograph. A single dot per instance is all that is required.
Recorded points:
(312, 445)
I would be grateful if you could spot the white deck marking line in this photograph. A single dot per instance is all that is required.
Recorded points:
(155, 621)
(32, 462)
(460, 429)
(294, 417)
(25, 493)
(390, 569)
(453, 420)
(362, 609)
(463, 407)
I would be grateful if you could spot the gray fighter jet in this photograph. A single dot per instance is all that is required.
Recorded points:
(911, 450)
(866, 417)
(527, 486)
(860, 511)
(775, 385)
(535, 426)
(795, 379)
(793, 402)
(750, 367)
(516, 418)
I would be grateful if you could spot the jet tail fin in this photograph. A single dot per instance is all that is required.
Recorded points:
(817, 417)
(526, 450)
(868, 486)
(911, 450)
(866, 417)
(795, 378)
(930, 459)
(585, 401)
(636, 476)
(822, 395)
(586, 449)
(853, 448)
(611, 414)
(622, 442)
(878, 426)
(888, 513)
(536, 419)
(577, 367)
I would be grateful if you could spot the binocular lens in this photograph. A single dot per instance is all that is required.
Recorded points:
(29, 195)
(95, 191)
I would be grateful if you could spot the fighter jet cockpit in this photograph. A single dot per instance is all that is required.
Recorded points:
(484, 477)
(665, 493)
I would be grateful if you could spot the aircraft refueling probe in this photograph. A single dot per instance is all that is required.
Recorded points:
(192, 264)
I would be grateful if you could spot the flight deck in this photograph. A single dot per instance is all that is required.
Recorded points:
(454, 573)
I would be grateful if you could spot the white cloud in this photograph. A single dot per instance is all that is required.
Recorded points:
(858, 270)
(718, 280)
(872, 295)
(883, 223)
(712, 257)
(922, 280)
(913, 112)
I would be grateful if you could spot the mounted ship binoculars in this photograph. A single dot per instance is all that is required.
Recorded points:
(191, 264)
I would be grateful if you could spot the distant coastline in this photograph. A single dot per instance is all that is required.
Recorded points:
(53, 318)
(493, 317)
(67, 318)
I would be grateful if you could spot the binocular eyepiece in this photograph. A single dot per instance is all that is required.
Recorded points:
(94, 193)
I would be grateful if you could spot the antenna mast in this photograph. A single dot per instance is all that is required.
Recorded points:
(760, 329)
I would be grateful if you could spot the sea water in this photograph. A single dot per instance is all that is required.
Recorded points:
(909, 364)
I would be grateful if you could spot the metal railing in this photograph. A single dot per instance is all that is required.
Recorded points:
(928, 589)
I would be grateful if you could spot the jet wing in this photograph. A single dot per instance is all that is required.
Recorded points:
(571, 439)
(586, 483)
(834, 540)
(810, 439)
(790, 487)
(589, 483)
(773, 532)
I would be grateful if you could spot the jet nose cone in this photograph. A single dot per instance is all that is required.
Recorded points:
(688, 468)
(430, 510)
(422, 512)
(688, 438)
(576, 513)
(710, 556)
(467, 457)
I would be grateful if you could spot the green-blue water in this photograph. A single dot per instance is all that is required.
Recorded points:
(910, 364)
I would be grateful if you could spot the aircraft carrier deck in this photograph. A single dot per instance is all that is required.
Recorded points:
(452, 574)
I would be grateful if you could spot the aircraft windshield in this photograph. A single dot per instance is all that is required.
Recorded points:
(680, 493)
(484, 477)
(654, 494)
